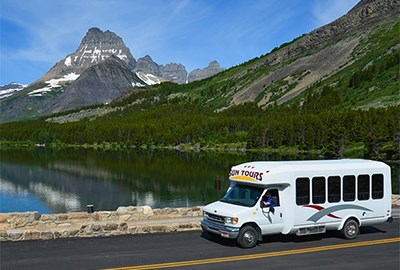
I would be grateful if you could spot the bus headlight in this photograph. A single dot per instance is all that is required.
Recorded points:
(233, 220)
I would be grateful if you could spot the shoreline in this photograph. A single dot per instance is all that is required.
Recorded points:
(235, 148)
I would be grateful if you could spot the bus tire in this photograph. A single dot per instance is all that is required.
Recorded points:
(247, 237)
(350, 229)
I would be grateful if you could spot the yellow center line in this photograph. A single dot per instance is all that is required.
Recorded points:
(260, 255)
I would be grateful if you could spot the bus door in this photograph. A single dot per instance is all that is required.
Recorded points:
(271, 217)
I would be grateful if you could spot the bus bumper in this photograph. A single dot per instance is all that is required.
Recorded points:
(223, 231)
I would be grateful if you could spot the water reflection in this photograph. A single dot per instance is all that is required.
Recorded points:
(68, 180)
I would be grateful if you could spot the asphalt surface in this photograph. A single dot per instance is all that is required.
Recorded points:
(376, 247)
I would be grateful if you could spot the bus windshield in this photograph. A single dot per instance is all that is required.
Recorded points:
(243, 195)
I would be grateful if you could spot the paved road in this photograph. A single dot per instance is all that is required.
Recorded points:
(375, 248)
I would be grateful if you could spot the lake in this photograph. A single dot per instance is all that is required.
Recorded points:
(58, 181)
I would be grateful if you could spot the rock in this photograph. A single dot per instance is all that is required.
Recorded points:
(132, 229)
(65, 234)
(95, 227)
(78, 215)
(110, 226)
(3, 218)
(124, 217)
(123, 227)
(15, 235)
(47, 235)
(47, 217)
(56, 234)
(18, 223)
(73, 232)
(122, 210)
(147, 211)
(31, 235)
(3, 235)
(62, 217)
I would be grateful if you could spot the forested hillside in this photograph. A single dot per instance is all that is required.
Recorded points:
(352, 133)
(338, 96)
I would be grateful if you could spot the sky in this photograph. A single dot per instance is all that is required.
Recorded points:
(35, 34)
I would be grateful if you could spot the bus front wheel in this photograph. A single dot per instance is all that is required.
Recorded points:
(247, 237)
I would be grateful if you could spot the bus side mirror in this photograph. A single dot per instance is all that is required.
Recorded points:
(272, 209)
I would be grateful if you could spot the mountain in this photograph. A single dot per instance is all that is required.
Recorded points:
(58, 84)
(170, 72)
(349, 63)
(96, 46)
(147, 65)
(9, 89)
(176, 72)
(322, 53)
(199, 74)
(334, 91)
(103, 82)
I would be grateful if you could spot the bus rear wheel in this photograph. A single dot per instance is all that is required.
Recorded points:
(350, 229)
(247, 237)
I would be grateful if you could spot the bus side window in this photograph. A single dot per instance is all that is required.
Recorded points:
(334, 189)
(302, 191)
(349, 188)
(318, 190)
(377, 186)
(363, 187)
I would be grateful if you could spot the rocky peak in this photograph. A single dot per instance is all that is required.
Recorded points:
(95, 36)
(147, 65)
(174, 72)
(214, 64)
(199, 74)
(96, 46)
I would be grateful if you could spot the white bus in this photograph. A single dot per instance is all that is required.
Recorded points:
(308, 197)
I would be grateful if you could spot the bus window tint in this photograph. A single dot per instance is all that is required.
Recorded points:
(318, 190)
(377, 186)
(302, 191)
(349, 188)
(333, 189)
(363, 187)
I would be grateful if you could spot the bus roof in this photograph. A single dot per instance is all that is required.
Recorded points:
(268, 172)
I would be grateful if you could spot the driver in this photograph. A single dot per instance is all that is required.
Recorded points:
(267, 199)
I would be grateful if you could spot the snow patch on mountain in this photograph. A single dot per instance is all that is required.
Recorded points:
(148, 78)
(68, 61)
(137, 84)
(95, 55)
(69, 77)
(53, 83)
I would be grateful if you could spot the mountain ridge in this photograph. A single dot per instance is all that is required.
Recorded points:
(328, 57)
(96, 47)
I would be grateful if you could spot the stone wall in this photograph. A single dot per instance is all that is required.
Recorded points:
(126, 220)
